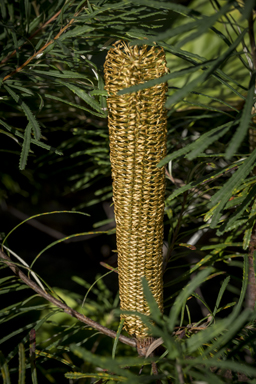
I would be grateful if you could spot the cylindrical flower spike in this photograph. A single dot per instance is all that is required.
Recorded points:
(137, 128)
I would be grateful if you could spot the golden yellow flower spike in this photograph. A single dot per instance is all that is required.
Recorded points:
(137, 128)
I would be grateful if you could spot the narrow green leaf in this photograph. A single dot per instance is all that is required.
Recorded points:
(185, 293)
(22, 89)
(162, 79)
(241, 131)
(103, 362)
(75, 105)
(154, 309)
(33, 141)
(100, 376)
(202, 142)
(99, 92)
(181, 93)
(165, 5)
(77, 31)
(238, 212)
(204, 24)
(27, 111)
(207, 139)
(233, 323)
(3, 9)
(248, 7)
(17, 332)
(84, 96)
(25, 147)
(117, 337)
(223, 195)
(235, 366)
(221, 292)
(15, 43)
(27, 9)
(22, 364)
(248, 232)
(202, 301)
(4, 369)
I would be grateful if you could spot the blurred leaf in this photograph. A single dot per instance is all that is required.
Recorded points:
(22, 364)
(244, 122)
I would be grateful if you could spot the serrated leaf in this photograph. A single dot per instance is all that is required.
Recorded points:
(27, 111)
(33, 141)
(25, 147)
(64, 74)
(84, 96)
(98, 92)
(4, 369)
(245, 120)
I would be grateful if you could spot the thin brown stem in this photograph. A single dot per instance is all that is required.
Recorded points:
(64, 307)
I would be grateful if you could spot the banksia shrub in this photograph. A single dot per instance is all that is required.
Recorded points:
(137, 128)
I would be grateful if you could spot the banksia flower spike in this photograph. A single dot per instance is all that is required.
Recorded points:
(137, 128)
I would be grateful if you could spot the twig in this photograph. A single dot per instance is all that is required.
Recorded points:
(44, 47)
(64, 307)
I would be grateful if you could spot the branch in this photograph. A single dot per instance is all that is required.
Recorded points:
(64, 307)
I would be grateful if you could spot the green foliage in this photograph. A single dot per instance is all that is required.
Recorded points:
(54, 119)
